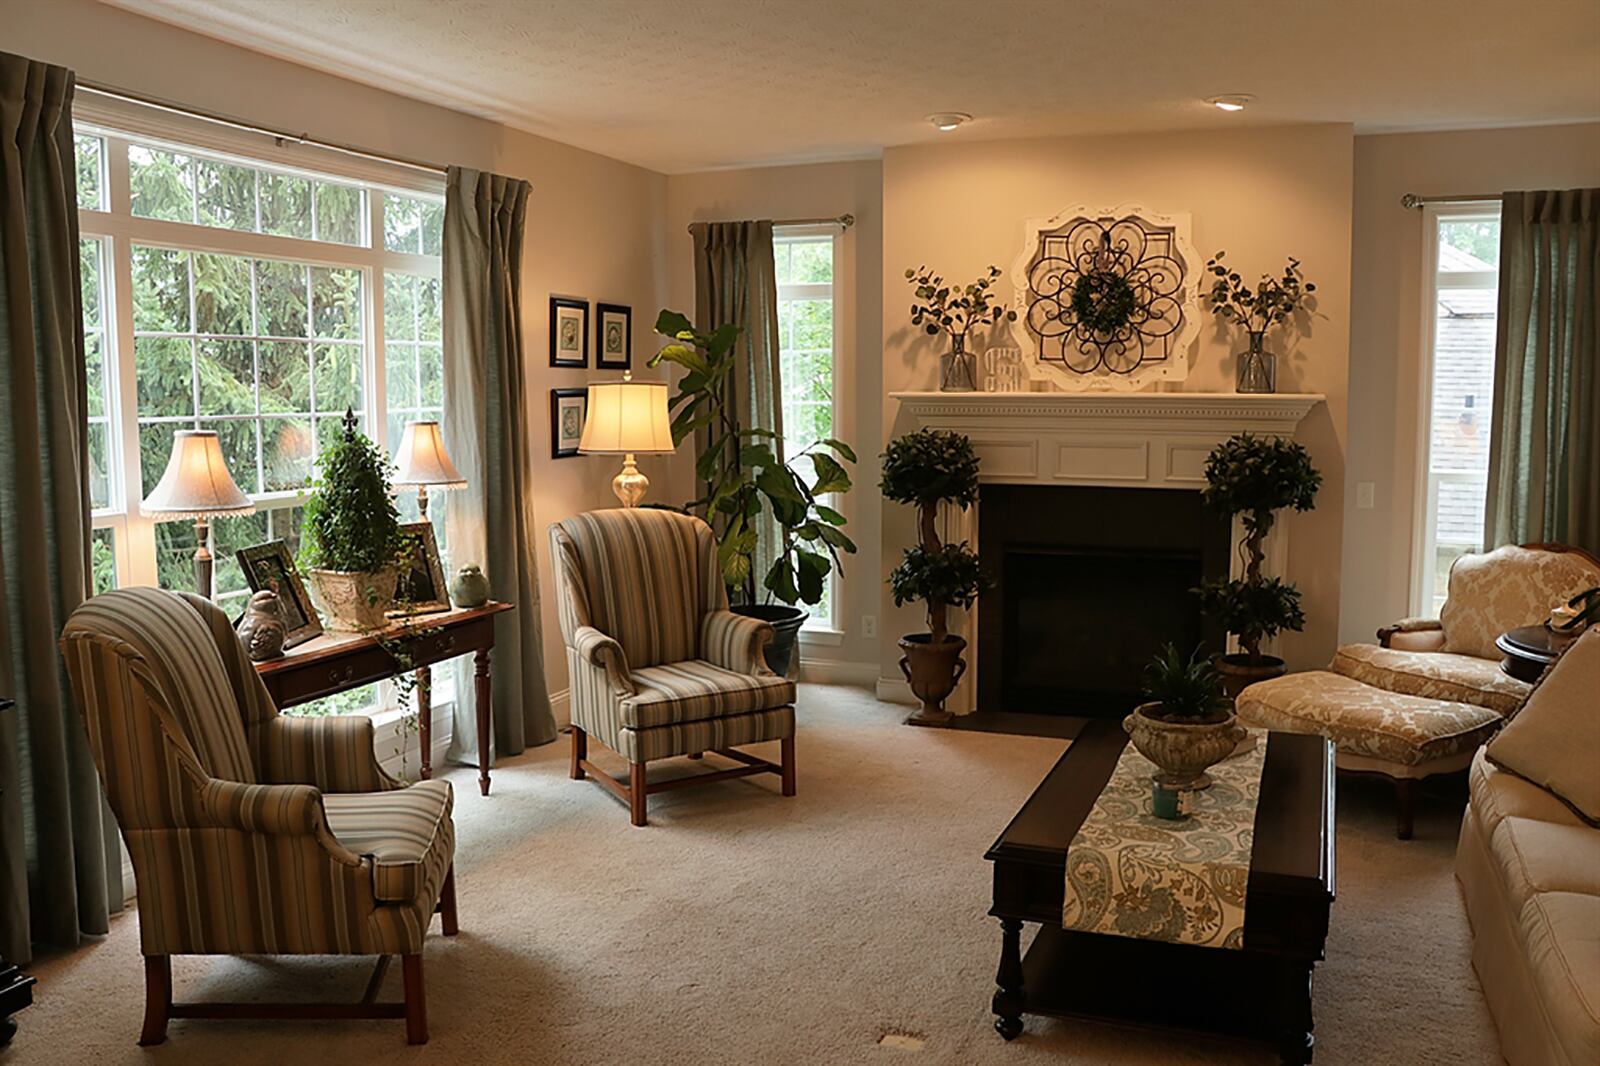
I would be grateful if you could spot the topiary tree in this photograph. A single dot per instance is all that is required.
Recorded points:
(924, 469)
(350, 521)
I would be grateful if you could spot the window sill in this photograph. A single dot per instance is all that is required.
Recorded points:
(830, 638)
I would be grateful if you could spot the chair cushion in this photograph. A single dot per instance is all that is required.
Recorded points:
(1436, 675)
(694, 690)
(406, 833)
(1561, 934)
(1506, 588)
(1554, 740)
(1363, 720)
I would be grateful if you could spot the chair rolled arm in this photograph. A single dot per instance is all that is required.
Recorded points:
(336, 753)
(735, 642)
(279, 810)
(1410, 625)
(603, 651)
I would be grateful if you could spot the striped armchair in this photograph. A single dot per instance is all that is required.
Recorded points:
(659, 666)
(251, 833)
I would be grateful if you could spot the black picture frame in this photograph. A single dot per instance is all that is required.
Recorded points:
(268, 566)
(569, 333)
(563, 437)
(421, 587)
(609, 317)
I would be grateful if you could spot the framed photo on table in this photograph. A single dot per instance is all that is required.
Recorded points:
(268, 566)
(568, 408)
(613, 337)
(569, 333)
(421, 587)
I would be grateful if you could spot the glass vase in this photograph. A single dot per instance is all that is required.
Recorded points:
(960, 368)
(1258, 368)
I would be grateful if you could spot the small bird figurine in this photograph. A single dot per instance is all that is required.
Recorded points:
(261, 630)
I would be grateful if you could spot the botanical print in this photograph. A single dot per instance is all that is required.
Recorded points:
(568, 408)
(570, 333)
(613, 344)
(571, 421)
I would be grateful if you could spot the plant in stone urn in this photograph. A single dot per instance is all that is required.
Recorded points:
(1253, 477)
(925, 469)
(350, 536)
(1272, 301)
(955, 309)
(1188, 723)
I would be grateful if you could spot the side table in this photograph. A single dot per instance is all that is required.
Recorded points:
(1528, 650)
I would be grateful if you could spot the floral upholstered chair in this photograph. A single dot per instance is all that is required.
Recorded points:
(251, 833)
(659, 666)
(1431, 691)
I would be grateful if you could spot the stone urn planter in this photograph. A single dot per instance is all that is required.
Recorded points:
(353, 601)
(1239, 673)
(1183, 749)
(933, 671)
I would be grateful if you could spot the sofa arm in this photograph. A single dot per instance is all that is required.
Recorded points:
(336, 754)
(595, 647)
(735, 642)
(1413, 634)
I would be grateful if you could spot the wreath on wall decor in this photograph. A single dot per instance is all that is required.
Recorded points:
(1107, 299)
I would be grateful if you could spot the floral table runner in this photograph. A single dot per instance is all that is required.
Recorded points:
(1130, 873)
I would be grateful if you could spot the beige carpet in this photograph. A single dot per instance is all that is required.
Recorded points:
(745, 928)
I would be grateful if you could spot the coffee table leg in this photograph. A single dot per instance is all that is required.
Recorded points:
(481, 699)
(1295, 1041)
(1008, 995)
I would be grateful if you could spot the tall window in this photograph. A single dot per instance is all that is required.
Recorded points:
(258, 301)
(1464, 257)
(807, 341)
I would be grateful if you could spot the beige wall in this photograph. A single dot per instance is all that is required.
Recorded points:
(1386, 341)
(1260, 194)
(594, 225)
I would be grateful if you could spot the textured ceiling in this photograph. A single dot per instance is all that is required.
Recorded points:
(682, 85)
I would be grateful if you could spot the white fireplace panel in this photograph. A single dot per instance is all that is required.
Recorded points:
(1007, 460)
(1187, 462)
(1096, 463)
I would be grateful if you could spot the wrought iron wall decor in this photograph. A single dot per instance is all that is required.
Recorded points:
(1107, 299)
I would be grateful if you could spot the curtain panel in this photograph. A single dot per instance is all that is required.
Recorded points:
(1544, 453)
(488, 426)
(60, 870)
(735, 281)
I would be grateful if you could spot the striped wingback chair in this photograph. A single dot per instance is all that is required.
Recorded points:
(659, 666)
(251, 833)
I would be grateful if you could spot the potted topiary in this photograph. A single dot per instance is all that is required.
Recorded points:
(1188, 723)
(1252, 477)
(925, 469)
(350, 536)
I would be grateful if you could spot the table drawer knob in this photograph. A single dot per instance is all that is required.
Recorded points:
(341, 675)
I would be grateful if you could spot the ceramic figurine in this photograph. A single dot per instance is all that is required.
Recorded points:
(262, 630)
(469, 588)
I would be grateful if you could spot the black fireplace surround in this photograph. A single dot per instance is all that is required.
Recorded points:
(1090, 582)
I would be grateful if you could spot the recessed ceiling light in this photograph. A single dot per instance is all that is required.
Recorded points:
(945, 121)
(1230, 101)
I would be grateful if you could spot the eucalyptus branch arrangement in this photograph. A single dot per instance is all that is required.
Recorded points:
(954, 309)
(1273, 299)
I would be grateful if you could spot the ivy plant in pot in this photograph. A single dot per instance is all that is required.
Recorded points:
(1254, 477)
(350, 536)
(748, 482)
(925, 469)
(1188, 724)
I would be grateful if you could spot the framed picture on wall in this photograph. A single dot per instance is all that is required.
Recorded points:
(614, 337)
(569, 332)
(268, 566)
(567, 410)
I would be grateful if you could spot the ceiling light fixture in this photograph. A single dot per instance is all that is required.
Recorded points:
(945, 121)
(1230, 101)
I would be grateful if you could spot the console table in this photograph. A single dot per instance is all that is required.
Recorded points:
(337, 662)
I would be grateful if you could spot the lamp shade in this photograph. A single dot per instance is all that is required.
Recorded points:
(422, 459)
(627, 416)
(197, 482)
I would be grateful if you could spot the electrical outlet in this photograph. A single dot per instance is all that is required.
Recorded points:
(869, 625)
(1364, 495)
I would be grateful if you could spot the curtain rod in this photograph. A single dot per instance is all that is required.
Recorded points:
(279, 136)
(1411, 199)
(845, 221)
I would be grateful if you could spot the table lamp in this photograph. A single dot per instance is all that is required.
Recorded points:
(197, 485)
(627, 418)
(423, 462)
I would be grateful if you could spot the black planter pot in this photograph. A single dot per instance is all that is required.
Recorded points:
(786, 622)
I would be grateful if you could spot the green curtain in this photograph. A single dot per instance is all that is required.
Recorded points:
(1544, 452)
(60, 873)
(735, 280)
(489, 431)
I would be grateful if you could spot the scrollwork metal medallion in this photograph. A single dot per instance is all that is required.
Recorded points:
(1107, 299)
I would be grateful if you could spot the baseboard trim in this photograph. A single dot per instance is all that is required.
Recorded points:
(838, 672)
(896, 690)
(561, 706)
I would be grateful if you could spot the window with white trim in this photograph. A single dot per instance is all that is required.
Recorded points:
(805, 259)
(1462, 294)
(261, 301)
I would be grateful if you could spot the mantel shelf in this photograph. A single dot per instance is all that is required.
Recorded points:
(1276, 412)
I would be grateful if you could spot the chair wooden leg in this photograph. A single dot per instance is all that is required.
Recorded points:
(1405, 794)
(636, 792)
(157, 999)
(697, 755)
(447, 904)
(416, 1000)
(580, 752)
(787, 748)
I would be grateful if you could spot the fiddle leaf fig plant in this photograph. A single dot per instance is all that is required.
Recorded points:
(350, 521)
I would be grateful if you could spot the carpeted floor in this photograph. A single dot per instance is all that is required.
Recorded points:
(745, 928)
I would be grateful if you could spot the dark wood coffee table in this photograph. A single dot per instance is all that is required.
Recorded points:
(1259, 992)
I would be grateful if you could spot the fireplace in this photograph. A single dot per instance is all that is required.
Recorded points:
(1090, 582)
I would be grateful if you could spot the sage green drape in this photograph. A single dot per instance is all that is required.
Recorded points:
(735, 280)
(1544, 452)
(59, 869)
(490, 432)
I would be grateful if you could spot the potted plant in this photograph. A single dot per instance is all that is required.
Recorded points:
(350, 536)
(1187, 723)
(924, 469)
(941, 308)
(1253, 477)
(1272, 301)
(745, 479)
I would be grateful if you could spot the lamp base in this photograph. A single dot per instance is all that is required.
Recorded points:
(630, 485)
